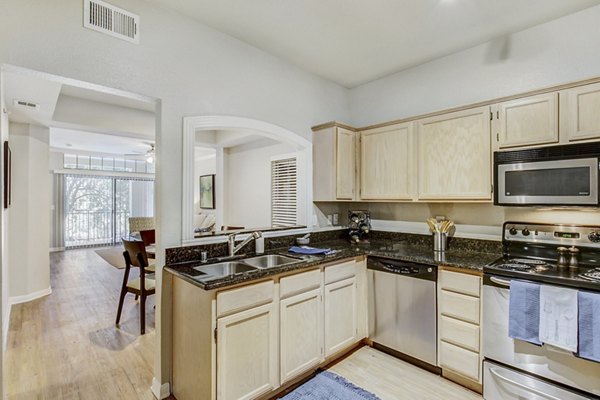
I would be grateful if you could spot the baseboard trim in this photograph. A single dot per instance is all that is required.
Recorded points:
(29, 297)
(160, 391)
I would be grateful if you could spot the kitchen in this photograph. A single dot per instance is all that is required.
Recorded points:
(371, 105)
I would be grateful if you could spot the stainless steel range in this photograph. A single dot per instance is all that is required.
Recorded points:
(557, 255)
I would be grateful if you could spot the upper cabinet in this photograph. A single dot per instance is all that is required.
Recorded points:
(580, 113)
(386, 163)
(345, 164)
(448, 156)
(454, 156)
(526, 121)
(334, 164)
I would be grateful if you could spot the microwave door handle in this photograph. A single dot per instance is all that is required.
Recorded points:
(501, 282)
(497, 374)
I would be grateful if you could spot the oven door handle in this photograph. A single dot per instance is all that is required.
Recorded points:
(498, 375)
(501, 282)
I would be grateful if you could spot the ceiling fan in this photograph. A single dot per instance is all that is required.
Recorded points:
(149, 155)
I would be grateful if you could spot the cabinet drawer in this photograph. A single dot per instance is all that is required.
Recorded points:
(459, 333)
(339, 272)
(460, 283)
(299, 283)
(459, 306)
(240, 299)
(459, 360)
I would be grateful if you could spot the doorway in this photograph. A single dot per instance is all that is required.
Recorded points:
(97, 209)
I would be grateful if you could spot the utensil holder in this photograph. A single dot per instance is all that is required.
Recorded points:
(440, 241)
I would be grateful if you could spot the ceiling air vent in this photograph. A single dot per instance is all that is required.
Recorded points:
(26, 104)
(114, 21)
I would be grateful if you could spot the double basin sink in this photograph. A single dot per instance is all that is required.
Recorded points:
(223, 269)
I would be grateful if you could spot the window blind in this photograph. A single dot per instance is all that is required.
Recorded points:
(284, 192)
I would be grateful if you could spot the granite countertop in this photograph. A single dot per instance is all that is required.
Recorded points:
(471, 260)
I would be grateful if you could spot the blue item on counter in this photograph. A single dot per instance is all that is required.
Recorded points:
(308, 250)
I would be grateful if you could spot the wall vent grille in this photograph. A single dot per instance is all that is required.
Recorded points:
(26, 104)
(114, 21)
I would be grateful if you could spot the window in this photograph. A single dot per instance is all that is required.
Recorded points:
(284, 192)
(97, 208)
(98, 163)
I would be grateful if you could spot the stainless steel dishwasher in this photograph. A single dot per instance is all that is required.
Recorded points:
(403, 310)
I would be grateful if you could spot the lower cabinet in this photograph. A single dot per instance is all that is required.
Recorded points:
(243, 343)
(459, 315)
(247, 353)
(301, 318)
(340, 315)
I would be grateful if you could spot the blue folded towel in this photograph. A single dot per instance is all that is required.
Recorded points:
(524, 312)
(308, 250)
(589, 325)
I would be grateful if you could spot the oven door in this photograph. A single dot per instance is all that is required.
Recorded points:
(544, 361)
(561, 182)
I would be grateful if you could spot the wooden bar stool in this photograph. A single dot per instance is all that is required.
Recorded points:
(142, 287)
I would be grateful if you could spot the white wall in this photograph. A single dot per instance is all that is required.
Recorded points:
(29, 217)
(557, 52)
(4, 275)
(193, 69)
(248, 183)
(554, 53)
(203, 165)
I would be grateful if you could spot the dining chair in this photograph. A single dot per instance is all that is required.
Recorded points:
(143, 286)
(149, 239)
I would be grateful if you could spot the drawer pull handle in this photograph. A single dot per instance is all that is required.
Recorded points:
(497, 374)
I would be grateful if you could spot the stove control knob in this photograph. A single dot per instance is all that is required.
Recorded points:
(594, 237)
(525, 232)
(512, 231)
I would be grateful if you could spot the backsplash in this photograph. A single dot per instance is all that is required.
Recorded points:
(192, 253)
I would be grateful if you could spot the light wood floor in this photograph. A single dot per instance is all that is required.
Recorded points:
(66, 345)
(393, 379)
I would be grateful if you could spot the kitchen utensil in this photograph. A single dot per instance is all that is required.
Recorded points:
(432, 224)
(440, 241)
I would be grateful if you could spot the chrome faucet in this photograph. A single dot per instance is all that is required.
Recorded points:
(231, 241)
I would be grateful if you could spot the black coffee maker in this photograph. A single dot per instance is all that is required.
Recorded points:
(359, 226)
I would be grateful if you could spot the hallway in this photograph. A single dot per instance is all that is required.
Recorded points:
(66, 346)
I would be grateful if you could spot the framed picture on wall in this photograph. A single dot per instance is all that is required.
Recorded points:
(207, 192)
(7, 175)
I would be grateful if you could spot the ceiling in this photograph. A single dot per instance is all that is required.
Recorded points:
(356, 41)
(81, 118)
(97, 143)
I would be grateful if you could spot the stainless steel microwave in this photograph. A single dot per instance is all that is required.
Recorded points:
(565, 175)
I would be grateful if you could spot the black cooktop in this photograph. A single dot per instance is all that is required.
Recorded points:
(585, 277)
(531, 253)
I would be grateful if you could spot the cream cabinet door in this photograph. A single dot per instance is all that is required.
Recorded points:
(386, 166)
(527, 121)
(454, 156)
(301, 338)
(247, 353)
(345, 164)
(340, 315)
(580, 115)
